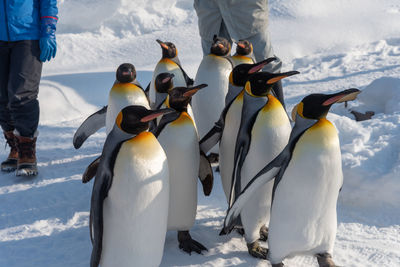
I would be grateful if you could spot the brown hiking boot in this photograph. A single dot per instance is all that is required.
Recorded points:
(10, 164)
(27, 156)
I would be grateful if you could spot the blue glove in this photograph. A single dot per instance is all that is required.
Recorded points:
(47, 41)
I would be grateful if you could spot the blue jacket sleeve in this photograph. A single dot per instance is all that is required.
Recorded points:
(48, 8)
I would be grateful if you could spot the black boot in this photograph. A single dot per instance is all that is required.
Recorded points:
(27, 165)
(10, 164)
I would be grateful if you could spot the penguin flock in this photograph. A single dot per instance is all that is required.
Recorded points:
(281, 183)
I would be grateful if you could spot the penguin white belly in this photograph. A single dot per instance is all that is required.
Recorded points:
(166, 65)
(303, 215)
(180, 142)
(136, 209)
(208, 103)
(269, 136)
(228, 143)
(120, 98)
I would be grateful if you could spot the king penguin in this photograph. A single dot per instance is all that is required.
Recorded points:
(308, 178)
(163, 84)
(168, 63)
(214, 70)
(226, 129)
(129, 203)
(244, 53)
(177, 134)
(125, 91)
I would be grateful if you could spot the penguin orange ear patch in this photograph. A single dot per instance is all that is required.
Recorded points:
(118, 120)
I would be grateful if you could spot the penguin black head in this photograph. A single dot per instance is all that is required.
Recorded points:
(244, 48)
(261, 83)
(220, 46)
(168, 49)
(240, 73)
(180, 97)
(316, 106)
(163, 82)
(126, 73)
(135, 119)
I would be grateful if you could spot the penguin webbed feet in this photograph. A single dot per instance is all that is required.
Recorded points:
(187, 244)
(257, 251)
(263, 233)
(325, 260)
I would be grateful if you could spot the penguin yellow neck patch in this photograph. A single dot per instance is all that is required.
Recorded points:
(243, 59)
(247, 88)
(167, 61)
(184, 118)
(123, 88)
(272, 104)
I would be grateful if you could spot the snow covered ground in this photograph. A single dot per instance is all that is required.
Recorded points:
(334, 44)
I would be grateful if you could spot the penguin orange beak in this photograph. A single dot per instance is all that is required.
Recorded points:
(220, 45)
(163, 45)
(258, 66)
(346, 95)
(241, 45)
(282, 76)
(156, 114)
(190, 92)
(167, 79)
(194, 90)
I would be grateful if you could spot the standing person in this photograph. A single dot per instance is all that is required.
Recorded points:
(27, 38)
(238, 20)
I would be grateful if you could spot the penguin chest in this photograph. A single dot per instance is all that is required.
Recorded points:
(303, 216)
(136, 209)
(228, 142)
(180, 142)
(269, 135)
(167, 65)
(208, 103)
(122, 95)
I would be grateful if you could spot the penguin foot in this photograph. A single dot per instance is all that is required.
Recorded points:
(213, 158)
(257, 251)
(278, 265)
(263, 233)
(325, 260)
(187, 244)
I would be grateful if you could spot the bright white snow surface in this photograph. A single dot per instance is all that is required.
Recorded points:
(334, 44)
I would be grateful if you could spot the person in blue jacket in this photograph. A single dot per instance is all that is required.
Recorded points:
(27, 38)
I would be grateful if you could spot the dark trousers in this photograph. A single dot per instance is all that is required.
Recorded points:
(20, 72)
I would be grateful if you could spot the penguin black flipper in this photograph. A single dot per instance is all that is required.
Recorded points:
(214, 135)
(250, 110)
(189, 81)
(274, 169)
(101, 186)
(147, 90)
(206, 174)
(91, 125)
(167, 118)
(90, 171)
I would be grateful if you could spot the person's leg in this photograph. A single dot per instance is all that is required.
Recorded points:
(23, 89)
(262, 49)
(10, 164)
(209, 21)
(5, 117)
